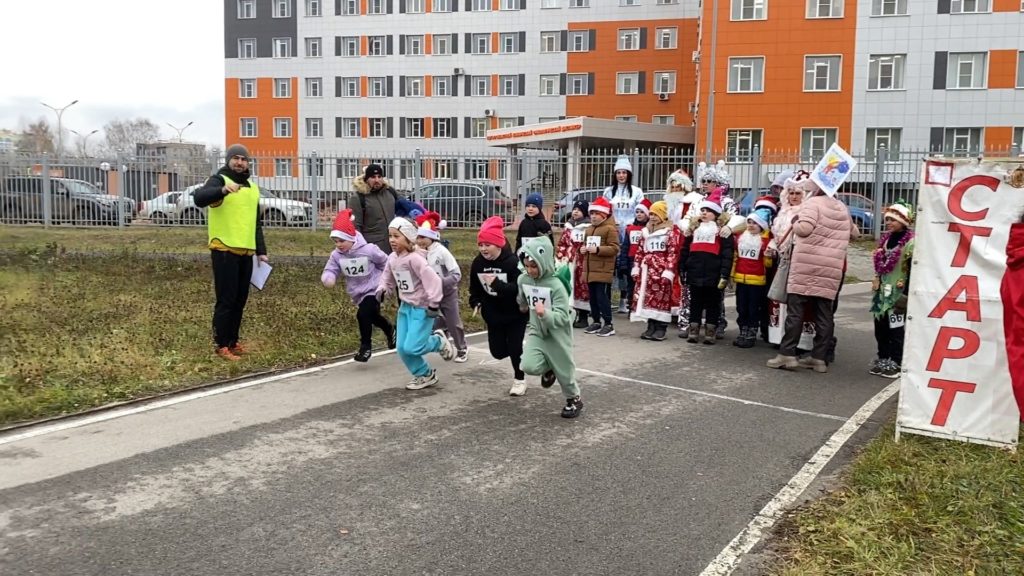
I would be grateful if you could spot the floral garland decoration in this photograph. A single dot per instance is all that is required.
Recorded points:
(886, 260)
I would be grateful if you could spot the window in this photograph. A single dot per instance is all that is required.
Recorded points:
(350, 46)
(509, 5)
(477, 127)
(888, 7)
(377, 45)
(314, 127)
(667, 38)
(347, 167)
(824, 8)
(508, 42)
(282, 9)
(378, 127)
(508, 122)
(579, 3)
(414, 6)
(746, 74)
(668, 120)
(314, 87)
(349, 7)
(1018, 138)
(543, 119)
(480, 6)
(282, 88)
(549, 84)
(282, 47)
(442, 129)
(666, 2)
(442, 5)
(282, 127)
(350, 87)
(966, 70)
(350, 128)
(442, 86)
(665, 82)
(968, 6)
(414, 86)
(821, 73)
(246, 9)
(508, 85)
(414, 127)
(961, 141)
(626, 118)
(814, 142)
(376, 7)
(442, 44)
(577, 84)
(414, 45)
(313, 8)
(885, 71)
(247, 88)
(739, 145)
(627, 83)
(550, 42)
(313, 48)
(748, 9)
(282, 166)
(550, 3)
(629, 39)
(879, 137)
(247, 128)
(480, 44)
(476, 169)
(1020, 70)
(314, 166)
(247, 48)
(481, 86)
(579, 40)
(443, 168)
(629, 2)
(378, 87)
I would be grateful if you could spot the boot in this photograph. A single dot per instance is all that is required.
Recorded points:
(740, 338)
(709, 334)
(693, 334)
(782, 361)
(650, 330)
(751, 337)
(659, 331)
(623, 306)
(581, 320)
(719, 331)
(830, 354)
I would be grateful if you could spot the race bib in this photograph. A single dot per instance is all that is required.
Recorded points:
(748, 252)
(657, 243)
(404, 281)
(896, 320)
(538, 295)
(355, 267)
(594, 241)
(497, 275)
(577, 235)
(635, 236)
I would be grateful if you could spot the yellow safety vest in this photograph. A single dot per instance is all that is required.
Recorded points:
(233, 223)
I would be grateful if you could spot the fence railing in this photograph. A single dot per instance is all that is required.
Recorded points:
(465, 187)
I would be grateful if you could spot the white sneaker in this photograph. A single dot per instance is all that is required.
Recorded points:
(461, 356)
(421, 382)
(518, 388)
(447, 350)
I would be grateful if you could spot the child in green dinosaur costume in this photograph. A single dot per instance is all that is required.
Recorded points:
(547, 352)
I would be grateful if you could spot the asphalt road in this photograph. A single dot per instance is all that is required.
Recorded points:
(343, 471)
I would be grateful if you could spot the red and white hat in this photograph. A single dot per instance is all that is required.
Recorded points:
(714, 201)
(430, 225)
(601, 205)
(644, 206)
(344, 227)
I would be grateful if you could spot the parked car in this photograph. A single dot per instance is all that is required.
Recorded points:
(862, 210)
(71, 202)
(161, 210)
(464, 203)
(563, 207)
(275, 211)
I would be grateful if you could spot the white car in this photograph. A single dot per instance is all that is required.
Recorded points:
(276, 211)
(161, 210)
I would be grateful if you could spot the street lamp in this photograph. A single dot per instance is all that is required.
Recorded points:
(60, 126)
(85, 140)
(179, 130)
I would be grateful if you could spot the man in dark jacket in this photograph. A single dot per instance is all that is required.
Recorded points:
(373, 206)
(235, 235)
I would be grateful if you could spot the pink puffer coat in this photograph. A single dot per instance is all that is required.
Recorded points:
(822, 233)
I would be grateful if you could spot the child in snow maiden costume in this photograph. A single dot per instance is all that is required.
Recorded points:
(631, 240)
(655, 272)
(892, 261)
(548, 348)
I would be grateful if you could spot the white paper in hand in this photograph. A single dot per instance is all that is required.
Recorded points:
(260, 273)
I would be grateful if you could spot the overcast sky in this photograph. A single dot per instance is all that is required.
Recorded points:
(120, 59)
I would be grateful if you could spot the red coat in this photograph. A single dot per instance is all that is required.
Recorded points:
(1012, 293)
(654, 269)
(568, 250)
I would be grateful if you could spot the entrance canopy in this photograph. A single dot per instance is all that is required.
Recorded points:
(582, 133)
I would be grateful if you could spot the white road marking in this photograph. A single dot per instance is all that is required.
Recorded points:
(731, 555)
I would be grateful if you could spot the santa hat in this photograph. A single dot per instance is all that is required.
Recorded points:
(622, 163)
(430, 225)
(492, 231)
(768, 203)
(644, 206)
(714, 201)
(343, 227)
(679, 178)
(762, 217)
(900, 211)
(601, 205)
(405, 226)
(660, 209)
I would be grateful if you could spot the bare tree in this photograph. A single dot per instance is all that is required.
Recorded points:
(37, 138)
(125, 135)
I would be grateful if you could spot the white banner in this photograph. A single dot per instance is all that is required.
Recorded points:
(956, 383)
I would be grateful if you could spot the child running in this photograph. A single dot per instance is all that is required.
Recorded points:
(361, 263)
(569, 252)
(548, 349)
(492, 290)
(533, 224)
(706, 260)
(654, 272)
(428, 237)
(419, 289)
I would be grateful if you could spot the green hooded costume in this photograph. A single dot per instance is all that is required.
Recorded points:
(548, 343)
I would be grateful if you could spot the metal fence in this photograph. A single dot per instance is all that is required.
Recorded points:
(465, 187)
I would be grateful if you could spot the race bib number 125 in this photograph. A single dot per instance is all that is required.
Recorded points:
(404, 281)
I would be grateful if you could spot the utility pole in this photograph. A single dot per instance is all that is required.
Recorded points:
(60, 125)
(85, 140)
(179, 130)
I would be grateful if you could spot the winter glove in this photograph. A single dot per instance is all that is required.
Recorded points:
(900, 307)
(725, 232)
(433, 312)
(668, 275)
(722, 284)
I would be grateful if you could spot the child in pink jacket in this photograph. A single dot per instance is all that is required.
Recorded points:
(419, 288)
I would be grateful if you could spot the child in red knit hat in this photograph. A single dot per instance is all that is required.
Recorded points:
(441, 260)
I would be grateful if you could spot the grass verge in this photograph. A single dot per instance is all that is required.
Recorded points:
(920, 506)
